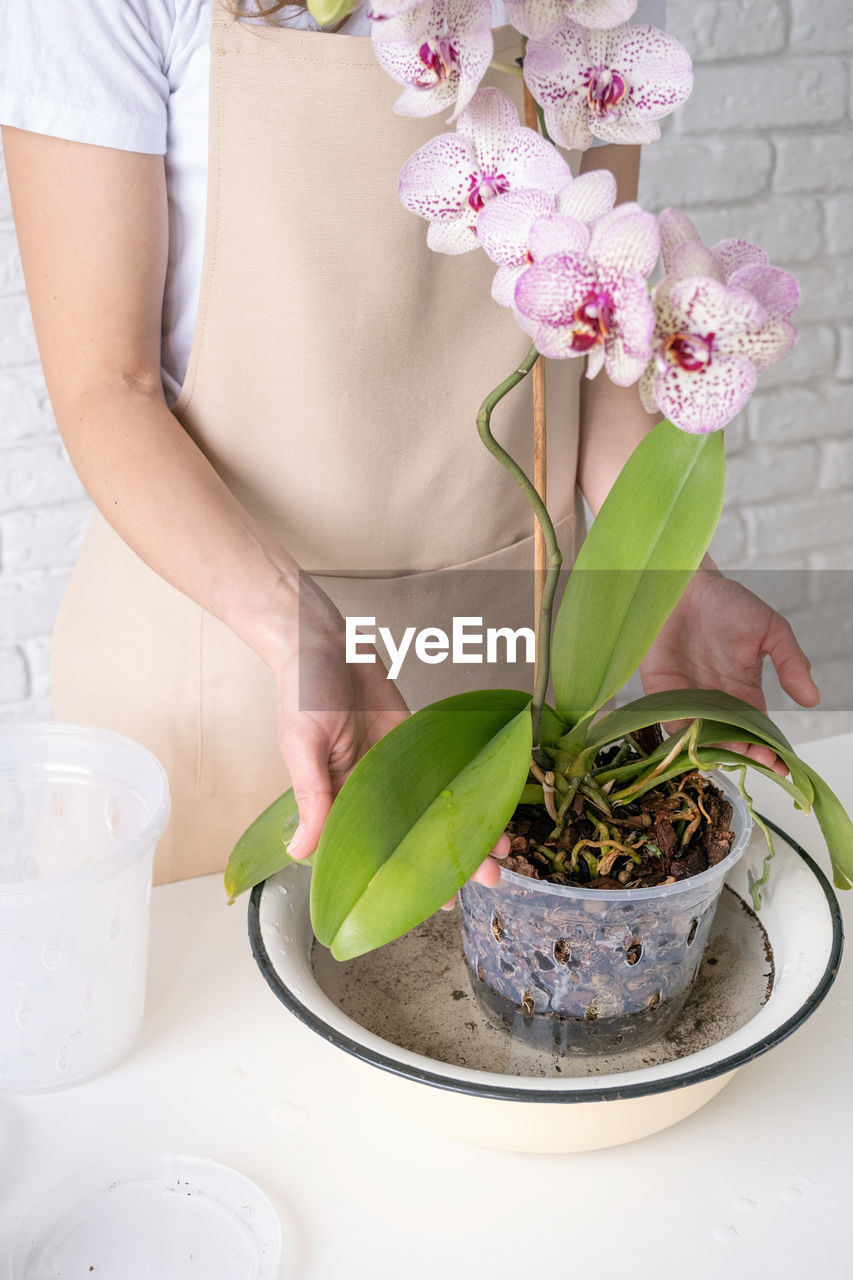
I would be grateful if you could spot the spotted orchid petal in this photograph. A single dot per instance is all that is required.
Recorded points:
(701, 374)
(557, 234)
(589, 196)
(626, 241)
(453, 176)
(441, 59)
(732, 255)
(737, 263)
(614, 85)
(587, 290)
(693, 259)
(676, 229)
(536, 18)
(504, 225)
(776, 290)
(764, 346)
(702, 406)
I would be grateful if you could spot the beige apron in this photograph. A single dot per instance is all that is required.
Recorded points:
(334, 380)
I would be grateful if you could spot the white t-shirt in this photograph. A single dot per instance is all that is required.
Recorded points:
(133, 74)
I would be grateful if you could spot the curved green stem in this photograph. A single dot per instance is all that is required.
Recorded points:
(555, 558)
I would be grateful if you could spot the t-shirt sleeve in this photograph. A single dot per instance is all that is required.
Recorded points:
(87, 70)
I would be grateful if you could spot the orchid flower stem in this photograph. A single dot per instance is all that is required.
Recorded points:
(554, 556)
(504, 66)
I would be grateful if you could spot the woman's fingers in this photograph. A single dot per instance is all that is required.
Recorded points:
(792, 666)
(306, 755)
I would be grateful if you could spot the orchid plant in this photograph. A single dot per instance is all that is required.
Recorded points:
(576, 270)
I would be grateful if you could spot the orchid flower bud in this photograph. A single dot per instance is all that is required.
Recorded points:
(328, 11)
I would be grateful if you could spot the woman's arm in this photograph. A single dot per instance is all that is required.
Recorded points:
(92, 227)
(93, 232)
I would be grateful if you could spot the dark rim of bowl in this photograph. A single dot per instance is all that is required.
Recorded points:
(507, 1093)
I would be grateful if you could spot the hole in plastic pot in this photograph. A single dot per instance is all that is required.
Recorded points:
(694, 925)
(562, 951)
(592, 1012)
(497, 927)
(653, 1000)
(634, 952)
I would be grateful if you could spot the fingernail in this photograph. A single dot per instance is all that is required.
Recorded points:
(296, 838)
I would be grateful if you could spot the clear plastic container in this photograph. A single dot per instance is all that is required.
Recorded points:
(81, 811)
(152, 1215)
(593, 970)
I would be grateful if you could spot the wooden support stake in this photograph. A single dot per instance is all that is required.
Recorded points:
(531, 119)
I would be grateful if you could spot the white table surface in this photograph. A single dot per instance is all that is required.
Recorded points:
(756, 1183)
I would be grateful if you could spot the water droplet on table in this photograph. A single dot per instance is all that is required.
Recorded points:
(790, 1194)
(743, 1204)
(726, 1234)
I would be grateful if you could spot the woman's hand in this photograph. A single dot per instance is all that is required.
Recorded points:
(330, 713)
(717, 638)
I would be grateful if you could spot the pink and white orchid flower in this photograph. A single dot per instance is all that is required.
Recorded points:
(613, 85)
(722, 316)
(537, 18)
(737, 263)
(587, 293)
(441, 55)
(505, 224)
(452, 177)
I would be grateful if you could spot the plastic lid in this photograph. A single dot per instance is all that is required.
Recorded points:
(147, 1216)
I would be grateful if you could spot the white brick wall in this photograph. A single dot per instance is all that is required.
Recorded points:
(763, 150)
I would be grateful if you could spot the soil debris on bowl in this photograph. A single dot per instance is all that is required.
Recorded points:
(416, 993)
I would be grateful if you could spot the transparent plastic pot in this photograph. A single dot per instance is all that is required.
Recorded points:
(81, 811)
(593, 970)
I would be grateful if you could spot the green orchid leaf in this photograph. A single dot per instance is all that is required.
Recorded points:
(645, 544)
(711, 733)
(533, 793)
(262, 848)
(417, 816)
(837, 830)
(687, 704)
(730, 719)
(720, 758)
(550, 726)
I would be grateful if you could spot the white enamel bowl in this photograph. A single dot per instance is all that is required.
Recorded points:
(799, 913)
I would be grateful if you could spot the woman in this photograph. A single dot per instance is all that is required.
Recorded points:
(323, 419)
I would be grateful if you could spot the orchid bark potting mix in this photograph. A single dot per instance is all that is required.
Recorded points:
(601, 808)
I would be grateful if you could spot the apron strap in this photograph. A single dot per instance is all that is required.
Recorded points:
(223, 13)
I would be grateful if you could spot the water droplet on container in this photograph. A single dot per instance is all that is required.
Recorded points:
(744, 1205)
(726, 1234)
(282, 888)
(791, 1194)
(87, 999)
(56, 804)
(51, 954)
(62, 1060)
